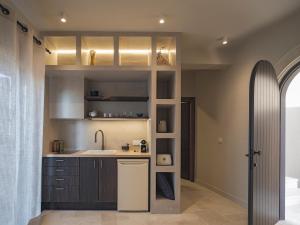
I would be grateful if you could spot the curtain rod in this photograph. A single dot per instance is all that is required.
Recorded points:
(23, 27)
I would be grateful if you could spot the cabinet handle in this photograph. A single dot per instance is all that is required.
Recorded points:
(59, 170)
(59, 160)
(101, 163)
(94, 164)
(59, 189)
(59, 179)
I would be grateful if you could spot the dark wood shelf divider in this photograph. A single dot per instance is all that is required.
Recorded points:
(117, 99)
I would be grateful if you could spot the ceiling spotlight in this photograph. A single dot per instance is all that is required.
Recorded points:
(63, 18)
(224, 41)
(162, 21)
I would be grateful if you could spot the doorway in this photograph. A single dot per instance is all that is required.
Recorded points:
(290, 146)
(188, 138)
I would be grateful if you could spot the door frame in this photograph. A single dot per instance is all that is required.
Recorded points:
(284, 84)
(192, 102)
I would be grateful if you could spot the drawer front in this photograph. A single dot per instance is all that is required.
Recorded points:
(61, 181)
(60, 161)
(60, 194)
(60, 171)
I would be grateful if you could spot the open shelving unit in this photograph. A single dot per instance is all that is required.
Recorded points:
(151, 62)
(166, 75)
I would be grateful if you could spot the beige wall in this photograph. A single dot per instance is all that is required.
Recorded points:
(216, 162)
(222, 106)
(79, 134)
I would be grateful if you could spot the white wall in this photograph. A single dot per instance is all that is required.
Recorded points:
(293, 142)
(223, 110)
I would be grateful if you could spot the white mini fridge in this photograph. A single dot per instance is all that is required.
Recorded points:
(133, 184)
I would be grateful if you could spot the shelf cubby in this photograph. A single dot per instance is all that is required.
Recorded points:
(97, 51)
(116, 99)
(165, 189)
(165, 85)
(135, 51)
(166, 146)
(62, 50)
(166, 51)
(165, 113)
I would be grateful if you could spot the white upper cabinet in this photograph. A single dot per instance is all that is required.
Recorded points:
(66, 97)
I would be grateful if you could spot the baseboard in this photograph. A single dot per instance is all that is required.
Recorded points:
(224, 194)
(79, 206)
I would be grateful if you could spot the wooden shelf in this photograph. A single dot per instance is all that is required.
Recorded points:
(118, 119)
(166, 102)
(166, 68)
(165, 135)
(117, 99)
(96, 68)
(165, 169)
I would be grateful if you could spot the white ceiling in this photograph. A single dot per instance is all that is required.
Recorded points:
(201, 21)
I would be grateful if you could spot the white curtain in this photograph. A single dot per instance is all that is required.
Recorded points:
(22, 78)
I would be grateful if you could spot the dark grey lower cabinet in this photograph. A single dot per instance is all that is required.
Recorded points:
(89, 179)
(79, 183)
(108, 180)
(98, 180)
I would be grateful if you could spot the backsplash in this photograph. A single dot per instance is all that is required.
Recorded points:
(80, 134)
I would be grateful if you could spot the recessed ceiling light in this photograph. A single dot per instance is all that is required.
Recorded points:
(63, 18)
(162, 21)
(224, 41)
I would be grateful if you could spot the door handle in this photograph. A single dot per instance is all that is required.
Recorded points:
(257, 152)
(94, 164)
(59, 189)
(254, 153)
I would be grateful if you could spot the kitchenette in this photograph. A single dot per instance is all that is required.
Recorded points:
(112, 122)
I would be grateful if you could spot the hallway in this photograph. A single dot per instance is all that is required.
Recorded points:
(200, 207)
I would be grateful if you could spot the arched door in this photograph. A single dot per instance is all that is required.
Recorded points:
(264, 145)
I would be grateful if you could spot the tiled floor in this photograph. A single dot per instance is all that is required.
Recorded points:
(200, 207)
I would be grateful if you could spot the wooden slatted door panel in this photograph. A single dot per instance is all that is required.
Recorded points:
(264, 145)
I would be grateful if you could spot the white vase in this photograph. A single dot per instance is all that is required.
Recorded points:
(162, 126)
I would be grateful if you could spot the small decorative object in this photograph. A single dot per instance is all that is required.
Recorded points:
(110, 115)
(94, 93)
(162, 126)
(164, 160)
(93, 114)
(125, 147)
(160, 59)
(58, 146)
(105, 115)
(92, 57)
(139, 115)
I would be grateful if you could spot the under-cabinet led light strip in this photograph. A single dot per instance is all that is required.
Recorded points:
(111, 52)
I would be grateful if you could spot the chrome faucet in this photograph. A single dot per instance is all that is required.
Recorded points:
(102, 133)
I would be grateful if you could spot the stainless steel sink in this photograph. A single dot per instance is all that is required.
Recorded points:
(99, 152)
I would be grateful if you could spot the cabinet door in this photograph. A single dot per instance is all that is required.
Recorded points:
(89, 179)
(66, 97)
(108, 180)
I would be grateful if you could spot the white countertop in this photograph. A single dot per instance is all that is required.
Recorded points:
(83, 153)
